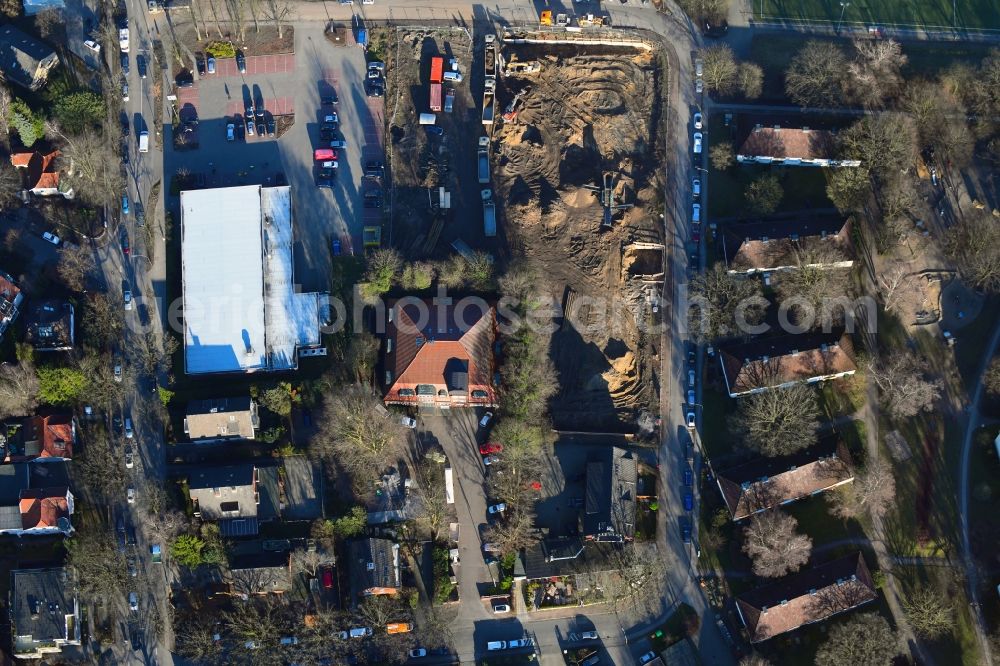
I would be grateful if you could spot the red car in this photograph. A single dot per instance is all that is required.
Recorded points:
(696, 236)
(327, 578)
(324, 154)
(491, 447)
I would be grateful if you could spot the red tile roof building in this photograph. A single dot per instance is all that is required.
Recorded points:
(41, 179)
(806, 597)
(49, 437)
(440, 354)
(42, 509)
(769, 363)
(10, 301)
(791, 146)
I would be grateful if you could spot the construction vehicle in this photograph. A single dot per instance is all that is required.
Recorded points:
(562, 20)
(589, 20)
(545, 18)
(437, 69)
(490, 57)
(608, 197)
(489, 214)
(489, 101)
(484, 159)
(516, 67)
(510, 113)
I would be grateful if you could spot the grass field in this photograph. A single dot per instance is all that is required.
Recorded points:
(941, 14)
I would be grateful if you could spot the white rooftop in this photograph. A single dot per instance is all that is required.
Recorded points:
(241, 313)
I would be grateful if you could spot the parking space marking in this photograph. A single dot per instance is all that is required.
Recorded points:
(264, 64)
(277, 106)
(188, 96)
(330, 76)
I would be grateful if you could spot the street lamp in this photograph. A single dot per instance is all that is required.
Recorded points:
(843, 8)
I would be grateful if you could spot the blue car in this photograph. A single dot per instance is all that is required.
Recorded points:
(688, 478)
(434, 129)
(336, 247)
(686, 529)
(124, 204)
(688, 501)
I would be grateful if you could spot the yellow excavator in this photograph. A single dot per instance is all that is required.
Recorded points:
(545, 18)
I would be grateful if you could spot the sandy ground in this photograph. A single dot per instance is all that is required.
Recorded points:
(588, 112)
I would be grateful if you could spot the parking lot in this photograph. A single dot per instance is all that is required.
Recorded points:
(292, 84)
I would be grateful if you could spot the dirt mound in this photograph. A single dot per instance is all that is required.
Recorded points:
(587, 114)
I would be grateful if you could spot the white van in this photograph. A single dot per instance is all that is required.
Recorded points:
(428, 119)
(144, 141)
(128, 428)
(361, 632)
(452, 76)
(493, 646)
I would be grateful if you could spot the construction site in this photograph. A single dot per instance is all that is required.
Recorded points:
(555, 156)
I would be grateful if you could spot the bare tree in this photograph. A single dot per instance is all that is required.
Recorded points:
(754, 659)
(100, 567)
(358, 433)
(10, 185)
(815, 77)
(720, 69)
(895, 286)
(991, 380)
(102, 322)
(75, 265)
(307, 561)
(379, 610)
(974, 245)
(777, 421)
(904, 385)
(164, 526)
(429, 496)
(750, 80)
(257, 622)
(864, 639)
(929, 613)
(92, 168)
(873, 490)
(722, 155)
(278, 11)
(249, 582)
(516, 532)
(875, 71)
(362, 355)
(882, 142)
(18, 389)
(815, 296)
(634, 578)
(774, 545)
(722, 305)
(48, 21)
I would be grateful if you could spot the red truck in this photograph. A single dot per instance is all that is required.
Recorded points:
(437, 69)
(435, 97)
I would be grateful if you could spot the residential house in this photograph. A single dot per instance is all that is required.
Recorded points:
(266, 572)
(763, 483)
(447, 360)
(787, 245)
(23, 59)
(373, 565)
(609, 501)
(10, 301)
(45, 511)
(763, 364)
(221, 420)
(40, 176)
(806, 597)
(237, 496)
(564, 556)
(44, 612)
(49, 326)
(791, 146)
(45, 438)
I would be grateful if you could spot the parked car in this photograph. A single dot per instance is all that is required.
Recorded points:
(699, 86)
(140, 214)
(127, 296)
(589, 635)
(133, 602)
(699, 67)
(696, 235)
(373, 199)
(360, 632)
(696, 186)
(697, 143)
(697, 121)
(249, 120)
(128, 428)
(485, 421)
(496, 509)
(374, 88)
(130, 563)
(338, 143)
(51, 237)
(489, 460)
(327, 578)
(330, 100)
(691, 398)
(130, 495)
(140, 63)
(200, 63)
(324, 154)
(230, 131)
(408, 421)
(686, 529)
(688, 477)
(452, 76)
(374, 169)
(324, 176)
(129, 459)
(270, 126)
(492, 646)
(241, 62)
(490, 447)
(416, 653)
(648, 657)
(124, 62)
(118, 372)
(335, 246)
(434, 129)
(688, 501)
(185, 79)
(211, 64)
(696, 213)
(124, 204)
(124, 91)
(125, 246)
(501, 608)
(92, 45)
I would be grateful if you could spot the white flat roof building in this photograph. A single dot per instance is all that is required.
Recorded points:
(241, 311)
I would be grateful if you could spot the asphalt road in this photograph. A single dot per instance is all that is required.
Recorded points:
(147, 278)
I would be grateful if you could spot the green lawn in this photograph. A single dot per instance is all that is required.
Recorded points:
(715, 437)
(804, 188)
(967, 14)
(815, 520)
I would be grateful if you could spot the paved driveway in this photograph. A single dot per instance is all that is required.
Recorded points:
(302, 489)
